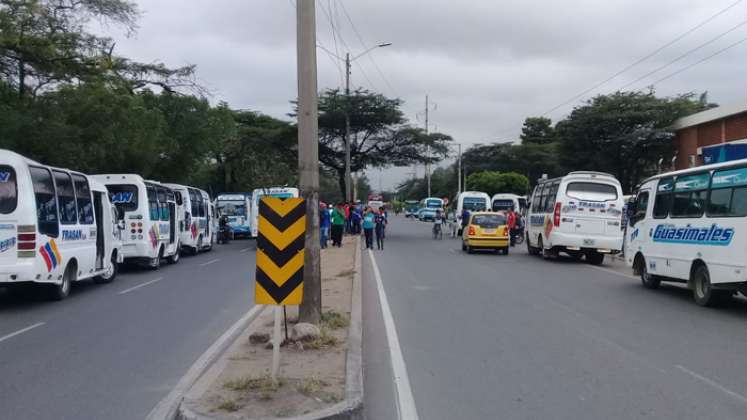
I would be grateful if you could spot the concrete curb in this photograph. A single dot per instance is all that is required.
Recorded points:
(352, 407)
(167, 408)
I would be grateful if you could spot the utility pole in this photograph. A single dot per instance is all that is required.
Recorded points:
(427, 149)
(308, 157)
(459, 170)
(348, 195)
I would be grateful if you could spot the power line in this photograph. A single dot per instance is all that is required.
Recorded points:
(646, 57)
(710, 41)
(728, 47)
(363, 44)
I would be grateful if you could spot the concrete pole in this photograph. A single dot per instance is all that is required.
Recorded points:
(427, 149)
(308, 157)
(348, 180)
(459, 170)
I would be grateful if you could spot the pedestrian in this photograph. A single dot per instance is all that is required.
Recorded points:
(383, 211)
(348, 222)
(511, 222)
(325, 220)
(381, 222)
(368, 227)
(465, 221)
(355, 215)
(338, 224)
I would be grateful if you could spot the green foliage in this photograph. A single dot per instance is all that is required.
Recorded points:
(537, 130)
(443, 184)
(379, 135)
(492, 182)
(624, 133)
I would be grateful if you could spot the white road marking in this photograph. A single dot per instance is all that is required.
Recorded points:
(139, 286)
(245, 250)
(713, 383)
(405, 401)
(21, 331)
(613, 272)
(210, 262)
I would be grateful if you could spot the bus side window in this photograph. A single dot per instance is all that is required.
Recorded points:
(46, 202)
(152, 203)
(66, 198)
(728, 197)
(663, 200)
(83, 197)
(551, 196)
(163, 206)
(195, 206)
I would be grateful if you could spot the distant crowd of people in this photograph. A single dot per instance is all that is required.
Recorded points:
(352, 219)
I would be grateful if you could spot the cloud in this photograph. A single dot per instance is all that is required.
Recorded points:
(486, 64)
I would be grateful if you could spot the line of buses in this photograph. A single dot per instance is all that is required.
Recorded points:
(687, 226)
(59, 226)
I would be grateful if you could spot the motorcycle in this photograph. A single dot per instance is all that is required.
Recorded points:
(224, 234)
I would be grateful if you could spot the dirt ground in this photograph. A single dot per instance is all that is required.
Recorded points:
(312, 374)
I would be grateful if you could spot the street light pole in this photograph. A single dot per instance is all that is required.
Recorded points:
(308, 158)
(348, 61)
(459, 170)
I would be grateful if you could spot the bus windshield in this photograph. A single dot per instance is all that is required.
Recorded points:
(503, 205)
(473, 204)
(591, 191)
(124, 196)
(232, 208)
(433, 203)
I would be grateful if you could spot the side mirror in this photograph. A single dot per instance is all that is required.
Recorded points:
(121, 225)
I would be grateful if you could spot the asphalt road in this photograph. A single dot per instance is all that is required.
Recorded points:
(113, 351)
(488, 336)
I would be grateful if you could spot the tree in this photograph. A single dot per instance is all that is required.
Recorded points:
(625, 133)
(492, 182)
(537, 130)
(380, 136)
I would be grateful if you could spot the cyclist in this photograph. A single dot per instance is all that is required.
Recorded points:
(438, 222)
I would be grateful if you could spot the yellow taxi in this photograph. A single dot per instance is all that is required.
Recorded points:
(486, 230)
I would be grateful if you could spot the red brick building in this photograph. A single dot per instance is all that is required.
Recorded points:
(711, 136)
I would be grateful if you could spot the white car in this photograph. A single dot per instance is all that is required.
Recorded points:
(578, 214)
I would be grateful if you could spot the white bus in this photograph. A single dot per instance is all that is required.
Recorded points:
(509, 201)
(195, 213)
(56, 227)
(690, 226)
(236, 206)
(151, 220)
(428, 207)
(578, 214)
(471, 201)
(281, 192)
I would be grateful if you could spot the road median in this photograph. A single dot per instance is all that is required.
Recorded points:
(320, 375)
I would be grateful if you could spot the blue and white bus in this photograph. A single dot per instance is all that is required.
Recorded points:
(237, 207)
(690, 226)
(428, 207)
(281, 192)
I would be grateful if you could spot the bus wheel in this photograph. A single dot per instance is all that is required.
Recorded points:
(110, 274)
(62, 290)
(703, 291)
(173, 259)
(648, 280)
(155, 263)
(594, 258)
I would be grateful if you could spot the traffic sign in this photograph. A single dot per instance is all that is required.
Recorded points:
(280, 251)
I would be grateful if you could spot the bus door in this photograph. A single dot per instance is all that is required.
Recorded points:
(98, 208)
(172, 222)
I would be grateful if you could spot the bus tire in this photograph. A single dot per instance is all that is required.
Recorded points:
(648, 280)
(532, 250)
(703, 292)
(173, 259)
(109, 276)
(62, 290)
(594, 258)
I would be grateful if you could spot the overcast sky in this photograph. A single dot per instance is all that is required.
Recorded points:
(485, 64)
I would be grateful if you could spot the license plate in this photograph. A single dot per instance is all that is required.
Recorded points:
(489, 231)
(588, 242)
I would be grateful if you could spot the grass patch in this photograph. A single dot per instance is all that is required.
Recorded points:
(310, 386)
(229, 405)
(263, 384)
(325, 340)
(334, 320)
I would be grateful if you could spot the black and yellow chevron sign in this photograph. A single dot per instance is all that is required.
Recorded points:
(280, 251)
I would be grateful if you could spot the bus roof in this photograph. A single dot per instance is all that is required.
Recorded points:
(696, 169)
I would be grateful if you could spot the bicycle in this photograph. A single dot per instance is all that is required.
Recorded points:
(438, 232)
